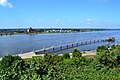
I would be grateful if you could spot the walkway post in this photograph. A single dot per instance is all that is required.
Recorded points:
(44, 49)
(90, 41)
(85, 42)
(53, 48)
(72, 45)
(77, 43)
(98, 40)
(81, 43)
(60, 47)
(67, 46)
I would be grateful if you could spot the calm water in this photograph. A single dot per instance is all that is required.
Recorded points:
(16, 44)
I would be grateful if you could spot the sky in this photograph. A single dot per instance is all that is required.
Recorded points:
(60, 14)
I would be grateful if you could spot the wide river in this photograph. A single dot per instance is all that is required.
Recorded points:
(17, 44)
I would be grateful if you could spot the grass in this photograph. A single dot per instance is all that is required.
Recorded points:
(37, 57)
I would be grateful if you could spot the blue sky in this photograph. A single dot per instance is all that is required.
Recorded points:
(60, 13)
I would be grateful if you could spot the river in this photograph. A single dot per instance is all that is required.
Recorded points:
(16, 44)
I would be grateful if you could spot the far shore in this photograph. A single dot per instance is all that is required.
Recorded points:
(41, 33)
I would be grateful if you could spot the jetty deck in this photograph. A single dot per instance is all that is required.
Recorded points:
(61, 47)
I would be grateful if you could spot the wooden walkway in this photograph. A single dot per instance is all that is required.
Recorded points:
(68, 46)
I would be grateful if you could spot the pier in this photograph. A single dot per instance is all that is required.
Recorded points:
(70, 45)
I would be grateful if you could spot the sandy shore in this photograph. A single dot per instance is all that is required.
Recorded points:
(28, 55)
(31, 54)
(89, 53)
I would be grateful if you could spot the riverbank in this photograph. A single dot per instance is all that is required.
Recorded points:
(45, 31)
(32, 54)
(41, 33)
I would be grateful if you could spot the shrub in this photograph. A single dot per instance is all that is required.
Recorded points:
(47, 56)
(37, 57)
(55, 56)
(109, 57)
(76, 53)
(66, 56)
(8, 60)
(101, 48)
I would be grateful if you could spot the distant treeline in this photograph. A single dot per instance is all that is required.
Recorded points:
(48, 30)
(77, 29)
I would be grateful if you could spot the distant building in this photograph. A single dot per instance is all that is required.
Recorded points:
(30, 30)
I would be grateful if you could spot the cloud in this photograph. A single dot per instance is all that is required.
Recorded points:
(58, 20)
(88, 23)
(39, 20)
(5, 3)
(100, 1)
(108, 20)
(89, 20)
(69, 21)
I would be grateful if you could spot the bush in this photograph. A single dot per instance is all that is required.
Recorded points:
(76, 53)
(55, 56)
(109, 57)
(47, 56)
(101, 48)
(37, 57)
(8, 60)
(66, 56)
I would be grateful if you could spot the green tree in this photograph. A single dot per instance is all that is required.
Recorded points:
(102, 48)
(66, 56)
(7, 61)
(109, 57)
(47, 56)
(76, 53)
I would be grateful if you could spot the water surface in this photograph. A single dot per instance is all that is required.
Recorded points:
(16, 44)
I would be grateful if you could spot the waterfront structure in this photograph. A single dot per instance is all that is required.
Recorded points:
(111, 39)
(72, 45)
(30, 30)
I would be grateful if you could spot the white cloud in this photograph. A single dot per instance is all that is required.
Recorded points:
(58, 20)
(70, 21)
(100, 0)
(88, 23)
(39, 20)
(88, 19)
(5, 3)
(108, 20)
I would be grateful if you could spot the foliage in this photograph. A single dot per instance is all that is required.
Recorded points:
(76, 53)
(105, 66)
(56, 59)
(37, 57)
(66, 56)
(109, 57)
(47, 56)
(8, 60)
(102, 48)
